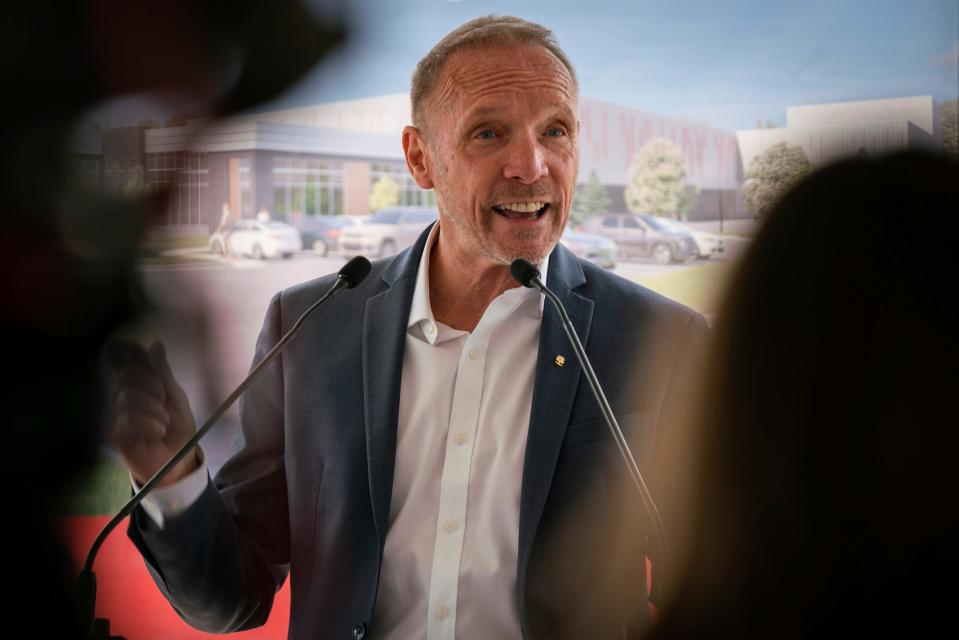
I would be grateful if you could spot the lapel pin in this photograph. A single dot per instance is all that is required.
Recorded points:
(560, 361)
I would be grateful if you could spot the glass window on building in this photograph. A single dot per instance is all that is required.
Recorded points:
(307, 186)
(187, 177)
(410, 192)
(246, 189)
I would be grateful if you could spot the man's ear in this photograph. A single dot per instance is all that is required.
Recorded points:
(414, 148)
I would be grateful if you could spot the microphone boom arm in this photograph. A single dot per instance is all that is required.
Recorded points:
(534, 280)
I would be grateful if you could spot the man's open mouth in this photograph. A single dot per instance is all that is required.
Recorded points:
(522, 210)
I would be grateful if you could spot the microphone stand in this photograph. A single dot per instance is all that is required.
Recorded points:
(529, 276)
(352, 273)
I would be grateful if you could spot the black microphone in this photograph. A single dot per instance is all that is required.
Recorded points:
(529, 276)
(352, 273)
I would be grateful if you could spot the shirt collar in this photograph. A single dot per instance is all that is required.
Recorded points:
(422, 313)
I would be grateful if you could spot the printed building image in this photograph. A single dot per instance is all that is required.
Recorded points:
(828, 132)
(249, 163)
(611, 135)
(324, 159)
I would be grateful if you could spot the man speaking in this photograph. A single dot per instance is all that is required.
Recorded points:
(426, 459)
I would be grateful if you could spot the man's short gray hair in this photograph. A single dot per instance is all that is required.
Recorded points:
(478, 33)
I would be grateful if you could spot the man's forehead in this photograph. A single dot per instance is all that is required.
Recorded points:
(491, 109)
(470, 74)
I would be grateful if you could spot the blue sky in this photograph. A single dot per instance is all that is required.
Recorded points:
(724, 63)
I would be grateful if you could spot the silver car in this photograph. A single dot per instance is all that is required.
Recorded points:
(636, 235)
(597, 249)
(707, 244)
(386, 232)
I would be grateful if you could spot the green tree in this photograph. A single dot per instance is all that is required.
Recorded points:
(771, 174)
(385, 193)
(656, 179)
(178, 120)
(589, 200)
(688, 201)
(136, 183)
(949, 115)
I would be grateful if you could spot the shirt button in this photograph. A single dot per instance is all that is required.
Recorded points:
(473, 354)
(450, 526)
(442, 612)
(359, 631)
(459, 438)
(430, 329)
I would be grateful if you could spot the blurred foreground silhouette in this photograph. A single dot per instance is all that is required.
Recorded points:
(69, 266)
(820, 474)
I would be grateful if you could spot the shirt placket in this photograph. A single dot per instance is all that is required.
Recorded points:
(454, 488)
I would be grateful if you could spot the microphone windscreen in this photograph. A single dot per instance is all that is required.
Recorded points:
(524, 271)
(355, 271)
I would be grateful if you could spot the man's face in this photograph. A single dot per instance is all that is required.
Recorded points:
(502, 151)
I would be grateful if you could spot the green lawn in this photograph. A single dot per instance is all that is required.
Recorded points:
(700, 287)
(159, 244)
(103, 492)
(175, 250)
(180, 259)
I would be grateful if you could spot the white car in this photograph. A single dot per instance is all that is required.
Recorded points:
(259, 240)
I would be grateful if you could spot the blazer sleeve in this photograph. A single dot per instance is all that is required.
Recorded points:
(221, 561)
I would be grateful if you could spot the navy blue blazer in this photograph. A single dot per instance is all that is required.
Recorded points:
(307, 488)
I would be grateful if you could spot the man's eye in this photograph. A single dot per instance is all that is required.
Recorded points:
(556, 132)
(486, 134)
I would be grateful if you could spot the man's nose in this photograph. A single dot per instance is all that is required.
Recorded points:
(526, 160)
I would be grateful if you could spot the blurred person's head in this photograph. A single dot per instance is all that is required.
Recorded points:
(495, 136)
(823, 465)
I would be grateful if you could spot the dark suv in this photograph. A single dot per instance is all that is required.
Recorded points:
(644, 236)
(321, 233)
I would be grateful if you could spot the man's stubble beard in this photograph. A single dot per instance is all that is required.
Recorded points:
(528, 248)
(488, 249)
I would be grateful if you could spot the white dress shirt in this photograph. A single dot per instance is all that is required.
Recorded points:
(449, 566)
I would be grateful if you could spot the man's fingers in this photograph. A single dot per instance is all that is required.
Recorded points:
(130, 429)
(143, 379)
(133, 400)
(159, 364)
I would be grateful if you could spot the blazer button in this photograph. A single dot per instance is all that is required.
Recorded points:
(359, 631)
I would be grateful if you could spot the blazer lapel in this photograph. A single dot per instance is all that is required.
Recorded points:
(384, 341)
(553, 391)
